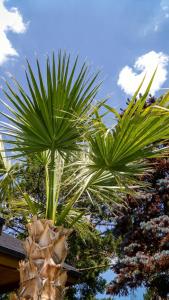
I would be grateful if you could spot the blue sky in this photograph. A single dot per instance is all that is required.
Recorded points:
(109, 34)
(124, 39)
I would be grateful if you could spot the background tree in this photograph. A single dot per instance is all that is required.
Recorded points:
(142, 235)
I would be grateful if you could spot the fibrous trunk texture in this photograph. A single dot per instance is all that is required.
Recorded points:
(42, 276)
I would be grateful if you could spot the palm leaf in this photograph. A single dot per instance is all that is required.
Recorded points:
(52, 115)
(9, 175)
(115, 159)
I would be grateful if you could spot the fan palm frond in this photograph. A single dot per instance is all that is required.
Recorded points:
(9, 175)
(116, 157)
(51, 116)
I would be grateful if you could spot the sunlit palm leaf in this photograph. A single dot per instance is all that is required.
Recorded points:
(51, 116)
(9, 175)
(53, 121)
(26, 207)
(78, 221)
(116, 157)
(122, 149)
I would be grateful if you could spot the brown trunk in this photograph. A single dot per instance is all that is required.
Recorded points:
(42, 276)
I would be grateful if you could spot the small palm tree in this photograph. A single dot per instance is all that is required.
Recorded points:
(59, 122)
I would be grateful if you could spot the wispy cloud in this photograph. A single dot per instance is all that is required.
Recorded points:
(10, 20)
(164, 5)
(158, 19)
(163, 14)
(130, 77)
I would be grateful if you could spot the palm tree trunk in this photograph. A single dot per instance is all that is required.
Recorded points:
(42, 276)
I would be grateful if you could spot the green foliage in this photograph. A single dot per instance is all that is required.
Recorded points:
(82, 242)
(54, 116)
(95, 254)
(148, 295)
(4, 297)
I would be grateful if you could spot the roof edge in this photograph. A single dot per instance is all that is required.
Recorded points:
(11, 252)
(2, 222)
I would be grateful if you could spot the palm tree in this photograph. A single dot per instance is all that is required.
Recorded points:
(60, 123)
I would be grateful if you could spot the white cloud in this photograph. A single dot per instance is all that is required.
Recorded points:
(10, 20)
(130, 78)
